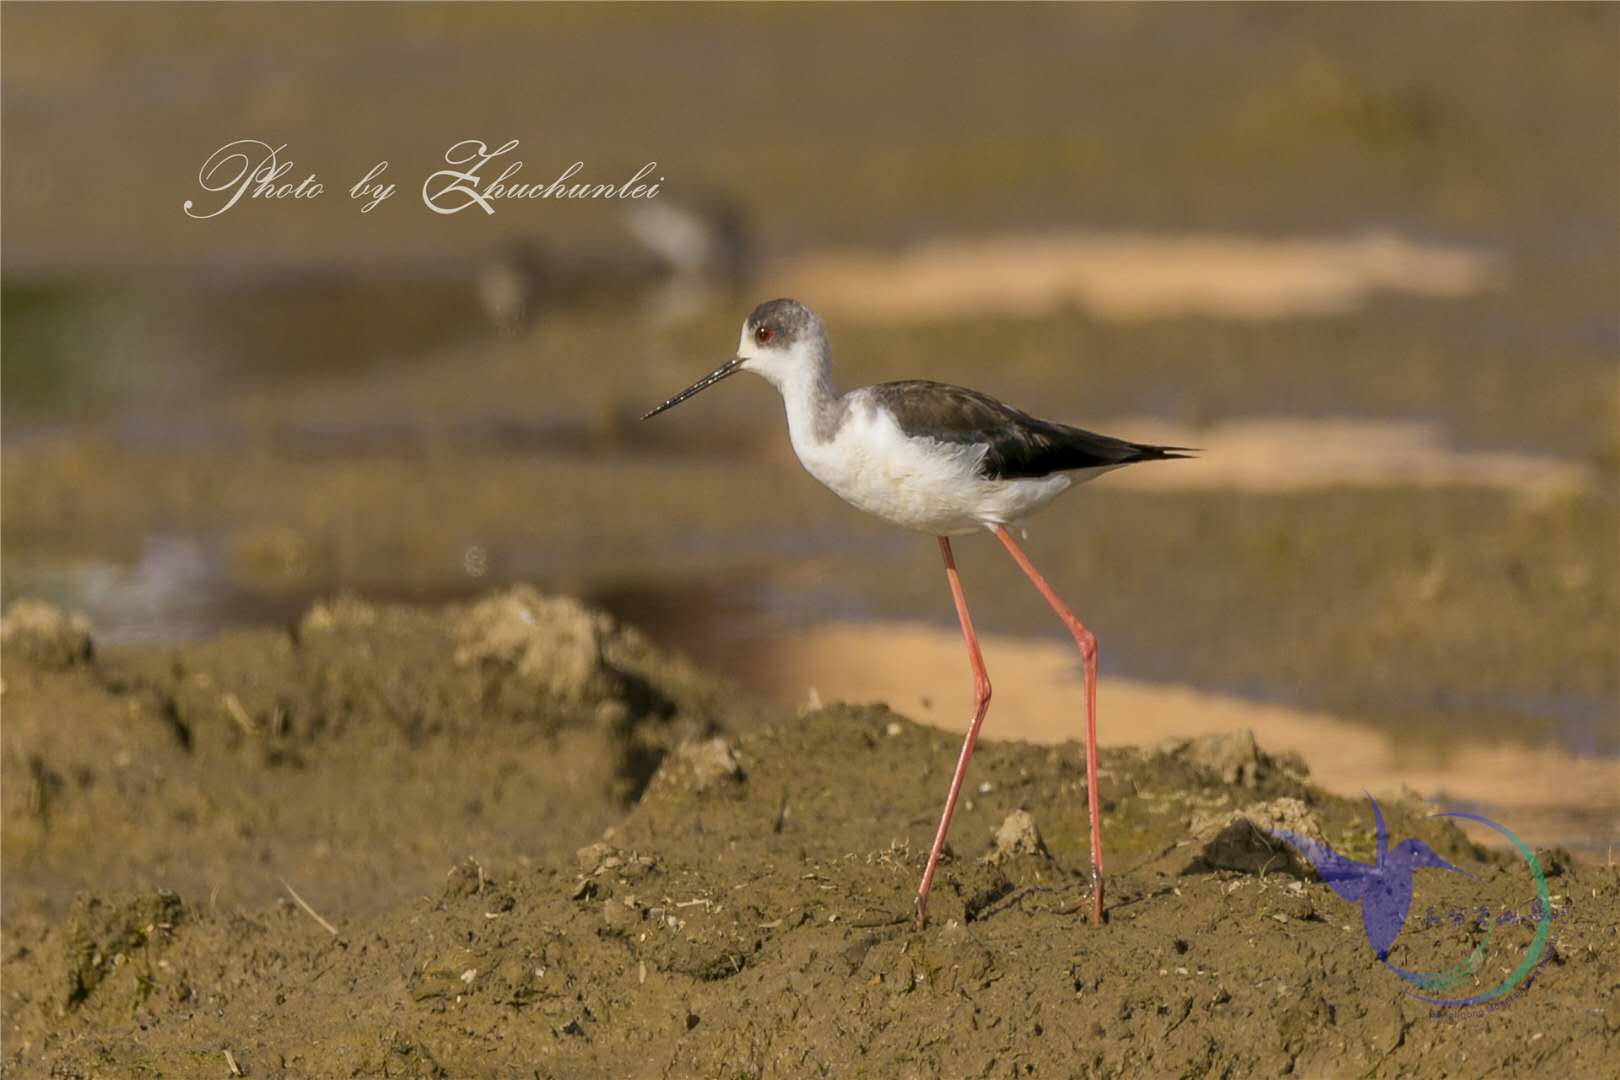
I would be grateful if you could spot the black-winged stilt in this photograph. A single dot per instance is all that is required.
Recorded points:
(942, 460)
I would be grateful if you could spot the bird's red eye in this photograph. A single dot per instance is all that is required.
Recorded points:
(762, 334)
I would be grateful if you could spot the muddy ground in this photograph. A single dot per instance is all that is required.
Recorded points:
(512, 838)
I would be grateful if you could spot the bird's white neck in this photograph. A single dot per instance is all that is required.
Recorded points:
(813, 407)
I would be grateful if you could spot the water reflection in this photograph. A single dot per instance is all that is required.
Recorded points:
(178, 590)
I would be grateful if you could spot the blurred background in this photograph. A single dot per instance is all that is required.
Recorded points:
(1367, 257)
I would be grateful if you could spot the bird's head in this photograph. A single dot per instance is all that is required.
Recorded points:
(1420, 856)
(782, 341)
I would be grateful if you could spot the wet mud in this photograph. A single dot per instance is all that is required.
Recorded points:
(512, 838)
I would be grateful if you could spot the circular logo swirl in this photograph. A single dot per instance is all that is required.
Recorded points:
(1436, 982)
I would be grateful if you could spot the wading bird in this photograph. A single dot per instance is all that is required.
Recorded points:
(942, 460)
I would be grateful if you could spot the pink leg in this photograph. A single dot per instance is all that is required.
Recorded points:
(981, 703)
(1087, 644)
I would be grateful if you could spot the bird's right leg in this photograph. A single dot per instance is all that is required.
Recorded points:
(1087, 645)
(981, 703)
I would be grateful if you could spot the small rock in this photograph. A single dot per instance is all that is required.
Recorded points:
(39, 632)
(444, 976)
(600, 858)
(592, 855)
(700, 765)
(711, 762)
(1291, 905)
(1017, 835)
(551, 643)
(1287, 813)
(1233, 758)
(466, 878)
(1243, 839)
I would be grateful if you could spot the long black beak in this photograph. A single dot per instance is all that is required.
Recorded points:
(729, 368)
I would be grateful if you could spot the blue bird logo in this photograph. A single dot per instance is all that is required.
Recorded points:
(1383, 887)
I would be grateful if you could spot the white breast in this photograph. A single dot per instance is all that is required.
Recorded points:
(920, 483)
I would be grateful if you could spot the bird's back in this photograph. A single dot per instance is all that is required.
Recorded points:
(1016, 444)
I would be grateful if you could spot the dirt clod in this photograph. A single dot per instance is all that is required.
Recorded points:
(1231, 758)
(1246, 839)
(552, 644)
(36, 631)
(1017, 835)
(700, 766)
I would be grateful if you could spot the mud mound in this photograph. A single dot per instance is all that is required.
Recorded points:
(359, 753)
(747, 915)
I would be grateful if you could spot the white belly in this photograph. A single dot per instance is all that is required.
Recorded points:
(921, 484)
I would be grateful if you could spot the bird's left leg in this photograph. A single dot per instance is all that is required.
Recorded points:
(981, 704)
(1087, 644)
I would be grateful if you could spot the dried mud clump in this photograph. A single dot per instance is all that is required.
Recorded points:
(1232, 758)
(1016, 835)
(515, 655)
(552, 646)
(699, 766)
(41, 634)
(1245, 840)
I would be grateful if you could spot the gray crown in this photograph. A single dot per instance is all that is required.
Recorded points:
(789, 322)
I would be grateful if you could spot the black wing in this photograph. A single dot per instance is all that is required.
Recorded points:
(1019, 445)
